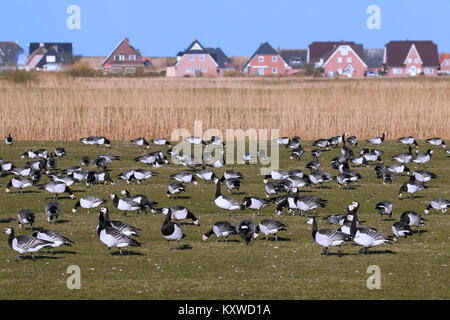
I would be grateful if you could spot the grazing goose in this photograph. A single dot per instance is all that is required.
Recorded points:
(123, 227)
(286, 202)
(246, 229)
(103, 177)
(278, 174)
(171, 231)
(220, 229)
(321, 143)
(185, 176)
(347, 177)
(337, 161)
(307, 203)
(71, 170)
(423, 157)
(205, 174)
(384, 208)
(25, 216)
(216, 141)
(60, 152)
(6, 165)
(282, 140)
(346, 222)
(150, 158)
(398, 169)
(180, 213)
(32, 154)
(294, 143)
(313, 165)
(273, 188)
(143, 174)
(377, 140)
(408, 140)
(335, 141)
(52, 210)
(88, 202)
(233, 174)
(297, 153)
(224, 202)
(413, 219)
(141, 142)
(102, 141)
(127, 175)
(54, 237)
(327, 237)
(66, 179)
(255, 203)
(412, 186)
(316, 153)
(25, 244)
(423, 175)
(195, 140)
(319, 177)
(88, 140)
(112, 237)
(80, 175)
(401, 229)
(232, 183)
(21, 171)
(9, 140)
(269, 226)
(439, 204)
(371, 156)
(247, 158)
(353, 141)
(436, 142)
(175, 188)
(36, 175)
(161, 142)
(37, 165)
(85, 161)
(379, 169)
(294, 173)
(57, 187)
(365, 236)
(143, 200)
(335, 218)
(125, 204)
(404, 157)
(19, 183)
(388, 176)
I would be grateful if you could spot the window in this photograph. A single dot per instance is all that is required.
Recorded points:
(188, 69)
(344, 50)
(204, 69)
(397, 71)
(416, 60)
(339, 59)
(119, 57)
(339, 71)
(274, 59)
(274, 70)
(349, 59)
(446, 62)
(409, 60)
(132, 57)
(51, 59)
(202, 57)
(191, 57)
(260, 58)
(428, 71)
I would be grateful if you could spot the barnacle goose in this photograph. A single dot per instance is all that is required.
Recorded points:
(180, 213)
(127, 175)
(25, 216)
(423, 175)
(379, 169)
(408, 140)
(149, 158)
(384, 208)
(277, 174)
(255, 203)
(175, 188)
(141, 142)
(316, 153)
(6, 165)
(80, 175)
(112, 237)
(388, 176)
(143, 200)
(231, 183)
(248, 158)
(321, 143)
(346, 222)
(216, 141)
(319, 177)
(436, 142)
(413, 219)
(21, 171)
(282, 140)
(161, 142)
(412, 186)
(37, 165)
(103, 177)
(220, 229)
(352, 140)
(313, 165)
(335, 141)
(57, 187)
(88, 202)
(60, 152)
(423, 157)
(273, 188)
(359, 161)
(224, 202)
(71, 170)
(233, 174)
(25, 244)
(32, 154)
(439, 204)
(286, 202)
(348, 176)
(125, 204)
(9, 140)
(185, 176)
(327, 237)
(401, 229)
(269, 226)
(85, 161)
(195, 140)
(377, 140)
(143, 174)
(123, 227)
(89, 140)
(398, 168)
(366, 236)
(404, 157)
(171, 231)
(52, 210)
(246, 229)
(297, 153)
(371, 156)
(205, 174)
(308, 202)
(66, 179)
(54, 237)
(294, 143)
(19, 183)
(102, 141)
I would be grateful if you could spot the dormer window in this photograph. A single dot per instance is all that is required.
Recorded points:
(274, 59)
(260, 58)
(132, 57)
(120, 57)
(344, 50)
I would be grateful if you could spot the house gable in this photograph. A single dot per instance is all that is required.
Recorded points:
(344, 50)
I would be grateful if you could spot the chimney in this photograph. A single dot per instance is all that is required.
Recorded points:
(278, 49)
(127, 40)
(41, 44)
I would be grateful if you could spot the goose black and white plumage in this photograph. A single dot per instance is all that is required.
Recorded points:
(315, 153)
(216, 141)
(220, 229)
(273, 188)
(348, 176)
(141, 142)
(387, 176)
(113, 237)
(346, 222)
(321, 143)
(423, 175)
(224, 202)
(32, 154)
(60, 152)
(423, 157)
(185, 176)
(277, 174)
(401, 229)
(404, 157)
(233, 174)
(205, 174)
(408, 140)
(327, 237)
(57, 187)
(25, 216)
(319, 177)
(436, 142)
(85, 161)
(313, 165)
(123, 227)
(143, 200)
(308, 202)
(384, 208)
(286, 202)
(398, 169)
(37, 165)
(335, 141)
(127, 175)
(52, 210)
(255, 204)
(282, 140)
(54, 237)
(21, 171)
(353, 141)
(413, 219)
(125, 204)
(294, 143)
(102, 141)
(143, 174)
(248, 158)
(175, 188)
(19, 183)
(25, 244)
(6, 165)
(359, 161)
(297, 153)
(439, 204)
(66, 179)
(149, 158)
(294, 173)
(88, 202)
(246, 229)
(171, 231)
(232, 183)
(366, 236)
(9, 140)
(195, 140)
(103, 177)
(269, 226)
(379, 169)
(180, 213)
(412, 186)
(161, 142)
(377, 140)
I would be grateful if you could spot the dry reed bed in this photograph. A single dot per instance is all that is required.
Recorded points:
(61, 108)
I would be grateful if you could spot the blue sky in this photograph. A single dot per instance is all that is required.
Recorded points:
(162, 28)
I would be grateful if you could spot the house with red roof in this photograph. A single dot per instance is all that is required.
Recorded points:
(125, 59)
(338, 58)
(411, 58)
(266, 61)
(444, 60)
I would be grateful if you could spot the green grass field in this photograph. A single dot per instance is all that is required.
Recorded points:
(291, 268)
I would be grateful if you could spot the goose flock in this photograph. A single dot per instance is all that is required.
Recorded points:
(282, 188)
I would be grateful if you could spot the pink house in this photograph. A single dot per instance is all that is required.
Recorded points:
(411, 58)
(265, 61)
(444, 60)
(197, 60)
